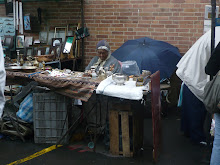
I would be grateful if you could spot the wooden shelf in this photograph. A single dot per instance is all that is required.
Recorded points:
(3, 1)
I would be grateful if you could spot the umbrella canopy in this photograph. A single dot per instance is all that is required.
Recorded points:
(150, 55)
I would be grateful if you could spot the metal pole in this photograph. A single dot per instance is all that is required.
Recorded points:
(208, 118)
(213, 4)
(82, 20)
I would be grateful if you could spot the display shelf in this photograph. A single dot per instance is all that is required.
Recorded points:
(54, 64)
(3, 1)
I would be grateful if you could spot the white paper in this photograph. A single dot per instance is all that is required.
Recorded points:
(17, 19)
(14, 14)
(207, 26)
(21, 29)
(208, 11)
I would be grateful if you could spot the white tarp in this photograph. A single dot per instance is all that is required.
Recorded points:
(2, 80)
(191, 67)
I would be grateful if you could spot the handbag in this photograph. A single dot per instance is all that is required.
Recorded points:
(212, 95)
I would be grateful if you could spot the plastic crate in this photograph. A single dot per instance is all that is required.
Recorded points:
(50, 117)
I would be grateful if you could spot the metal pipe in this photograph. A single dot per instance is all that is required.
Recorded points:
(213, 5)
(213, 22)
(82, 20)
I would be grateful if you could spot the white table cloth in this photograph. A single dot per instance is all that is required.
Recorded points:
(126, 91)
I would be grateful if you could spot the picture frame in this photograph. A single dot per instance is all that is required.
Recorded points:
(58, 30)
(57, 51)
(27, 22)
(68, 44)
(40, 51)
(28, 41)
(20, 41)
(47, 50)
(29, 51)
(9, 41)
(56, 41)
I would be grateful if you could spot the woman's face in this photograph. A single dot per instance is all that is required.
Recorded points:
(103, 54)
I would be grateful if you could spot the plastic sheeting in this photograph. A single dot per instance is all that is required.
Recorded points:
(2, 80)
(191, 67)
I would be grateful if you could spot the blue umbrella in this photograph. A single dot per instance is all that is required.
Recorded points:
(150, 55)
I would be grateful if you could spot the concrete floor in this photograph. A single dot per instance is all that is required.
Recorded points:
(176, 150)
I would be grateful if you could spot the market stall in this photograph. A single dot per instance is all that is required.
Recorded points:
(75, 85)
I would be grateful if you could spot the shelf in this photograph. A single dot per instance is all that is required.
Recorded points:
(3, 1)
(54, 64)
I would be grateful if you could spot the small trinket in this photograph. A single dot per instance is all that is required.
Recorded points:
(146, 73)
(36, 63)
(21, 60)
(43, 65)
(93, 72)
(18, 57)
(139, 81)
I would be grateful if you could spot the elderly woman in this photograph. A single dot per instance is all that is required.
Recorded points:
(104, 59)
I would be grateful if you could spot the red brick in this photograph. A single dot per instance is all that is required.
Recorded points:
(179, 22)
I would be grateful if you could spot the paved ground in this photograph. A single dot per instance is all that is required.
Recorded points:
(176, 150)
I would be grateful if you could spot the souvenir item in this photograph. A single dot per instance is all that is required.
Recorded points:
(119, 78)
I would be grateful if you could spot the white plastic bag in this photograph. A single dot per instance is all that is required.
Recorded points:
(130, 68)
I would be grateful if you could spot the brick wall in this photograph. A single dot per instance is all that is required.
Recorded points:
(2, 10)
(54, 14)
(178, 22)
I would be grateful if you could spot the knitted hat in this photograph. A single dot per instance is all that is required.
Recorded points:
(103, 44)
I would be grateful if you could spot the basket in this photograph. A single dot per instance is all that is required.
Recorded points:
(45, 58)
